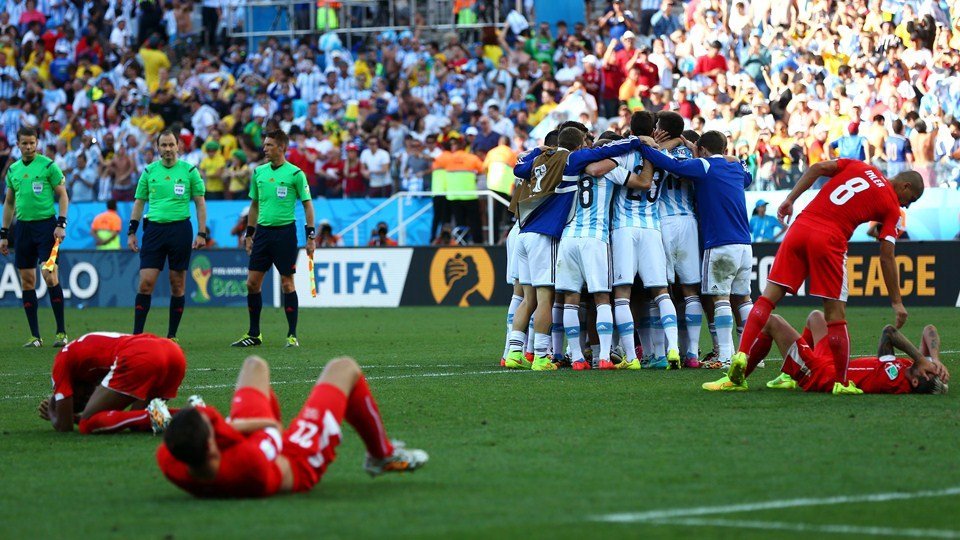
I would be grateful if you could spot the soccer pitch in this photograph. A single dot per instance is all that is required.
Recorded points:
(513, 454)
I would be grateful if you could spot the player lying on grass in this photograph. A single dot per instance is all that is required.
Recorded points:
(108, 382)
(251, 455)
(808, 361)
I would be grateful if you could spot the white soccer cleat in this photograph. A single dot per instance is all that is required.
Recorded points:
(159, 415)
(761, 364)
(196, 401)
(402, 460)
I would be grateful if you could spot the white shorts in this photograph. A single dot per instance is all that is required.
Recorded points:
(726, 270)
(637, 251)
(583, 260)
(512, 270)
(681, 245)
(536, 259)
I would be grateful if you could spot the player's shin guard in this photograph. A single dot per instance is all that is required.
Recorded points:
(723, 318)
(571, 326)
(291, 306)
(668, 320)
(758, 318)
(624, 321)
(140, 310)
(364, 415)
(657, 342)
(56, 302)
(840, 347)
(254, 307)
(605, 329)
(743, 311)
(29, 300)
(114, 421)
(693, 316)
(556, 330)
(176, 313)
(759, 351)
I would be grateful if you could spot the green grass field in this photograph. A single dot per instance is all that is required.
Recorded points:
(512, 454)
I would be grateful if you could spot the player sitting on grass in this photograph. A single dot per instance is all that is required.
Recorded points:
(249, 456)
(102, 374)
(808, 361)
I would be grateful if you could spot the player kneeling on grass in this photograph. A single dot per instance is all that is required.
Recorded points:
(249, 456)
(99, 376)
(808, 361)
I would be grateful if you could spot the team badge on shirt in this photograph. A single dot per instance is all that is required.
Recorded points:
(892, 370)
(179, 189)
(281, 192)
(38, 187)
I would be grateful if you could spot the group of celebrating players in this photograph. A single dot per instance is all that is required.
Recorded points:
(659, 220)
(105, 382)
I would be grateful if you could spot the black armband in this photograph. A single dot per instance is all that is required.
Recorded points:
(251, 231)
(134, 225)
(311, 232)
(4, 233)
(62, 222)
(202, 234)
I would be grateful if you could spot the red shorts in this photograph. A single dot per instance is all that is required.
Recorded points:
(248, 402)
(821, 256)
(312, 438)
(813, 369)
(147, 367)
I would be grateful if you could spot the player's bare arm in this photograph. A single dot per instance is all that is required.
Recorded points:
(8, 208)
(201, 240)
(823, 168)
(891, 278)
(60, 413)
(892, 340)
(60, 192)
(644, 180)
(311, 226)
(930, 342)
(135, 215)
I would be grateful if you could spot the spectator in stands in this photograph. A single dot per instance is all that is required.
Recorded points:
(852, 145)
(375, 167)
(379, 238)
(326, 238)
(765, 228)
(212, 166)
(236, 176)
(354, 184)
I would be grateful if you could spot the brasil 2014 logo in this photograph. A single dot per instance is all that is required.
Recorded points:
(201, 270)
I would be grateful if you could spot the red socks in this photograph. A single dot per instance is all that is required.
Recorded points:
(758, 318)
(758, 352)
(807, 337)
(839, 341)
(364, 416)
(114, 421)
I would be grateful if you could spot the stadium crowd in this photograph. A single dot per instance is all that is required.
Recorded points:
(868, 79)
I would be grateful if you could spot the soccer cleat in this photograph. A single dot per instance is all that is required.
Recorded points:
(562, 361)
(292, 342)
(849, 389)
(605, 364)
(516, 360)
(159, 415)
(629, 364)
(724, 384)
(528, 356)
(61, 340)
(617, 354)
(543, 363)
(581, 365)
(673, 359)
(761, 364)
(248, 341)
(503, 362)
(738, 368)
(645, 361)
(401, 460)
(196, 401)
(691, 362)
(34, 342)
(659, 363)
(782, 382)
(174, 339)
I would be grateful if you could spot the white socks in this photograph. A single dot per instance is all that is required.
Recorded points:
(668, 320)
(624, 320)
(571, 326)
(605, 329)
(723, 318)
(693, 316)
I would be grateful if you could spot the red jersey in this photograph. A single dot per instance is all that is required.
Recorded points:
(86, 359)
(886, 375)
(857, 193)
(353, 179)
(248, 465)
(612, 79)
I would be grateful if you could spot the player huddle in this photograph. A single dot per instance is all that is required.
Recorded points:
(658, 221)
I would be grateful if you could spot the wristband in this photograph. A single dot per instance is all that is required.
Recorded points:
(311, 232)
(4, 233)
(202, 234)
(251, 231)
(62, 222)
(134, 225)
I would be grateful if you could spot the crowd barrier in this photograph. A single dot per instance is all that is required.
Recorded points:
(448, 276)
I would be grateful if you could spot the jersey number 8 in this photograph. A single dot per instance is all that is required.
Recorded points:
(585, 191)
(844, 192)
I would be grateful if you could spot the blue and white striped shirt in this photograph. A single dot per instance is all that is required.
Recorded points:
(676, 194)
(635, 207)
(10, 81)
(10, 120)
(591, 207)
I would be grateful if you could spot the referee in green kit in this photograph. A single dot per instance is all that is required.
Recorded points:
(168, 185)
(271, 240)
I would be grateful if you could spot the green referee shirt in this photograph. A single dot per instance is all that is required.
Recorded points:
(169, 190)
(277, 191)
(33, 184)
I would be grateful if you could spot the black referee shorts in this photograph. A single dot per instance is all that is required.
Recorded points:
(163, 241)
(33, 242)
(275, 246)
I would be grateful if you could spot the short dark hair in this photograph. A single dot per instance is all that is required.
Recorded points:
(898, 126)
(642, 122)
(570, 138)
(575, 124)
(551, 138)
(278, 137)
(186, 437)
(111, 204)
(165, 133)
(713, 142)
(26, 131)
(671, 122)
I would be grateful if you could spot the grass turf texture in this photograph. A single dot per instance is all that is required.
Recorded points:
(512, 454)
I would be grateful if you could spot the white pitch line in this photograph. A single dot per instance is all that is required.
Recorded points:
(810, 527)
(365, 367)
(636, 517)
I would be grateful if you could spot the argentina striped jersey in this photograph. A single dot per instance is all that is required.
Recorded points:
(635, 207)
(591, 207)
(676, 194)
